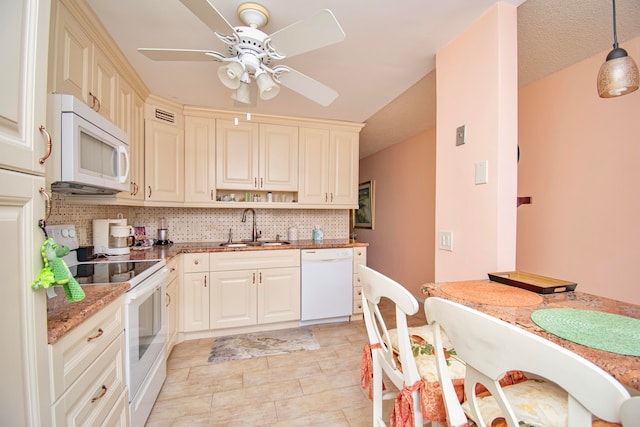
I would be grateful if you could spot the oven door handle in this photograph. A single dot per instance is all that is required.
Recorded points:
(145, 289)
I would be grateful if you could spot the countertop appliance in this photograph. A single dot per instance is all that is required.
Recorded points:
(327, 289)
(102, 237)
(93, 153)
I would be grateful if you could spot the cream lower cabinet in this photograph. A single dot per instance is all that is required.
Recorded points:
(238, 289)
(195, 293)
(359, 258)
(88, 383)
(172, 303)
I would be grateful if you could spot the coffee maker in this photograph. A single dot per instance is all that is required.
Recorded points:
(110, 236)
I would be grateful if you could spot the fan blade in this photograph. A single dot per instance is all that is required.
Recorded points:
(303, 36)
(207, 13)
(180, 54)
(306, 86)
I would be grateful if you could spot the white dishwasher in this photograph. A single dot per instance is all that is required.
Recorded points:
(327, 289)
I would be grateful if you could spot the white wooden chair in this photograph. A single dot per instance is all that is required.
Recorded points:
(490, 347)
(630, 412)
(374, 287)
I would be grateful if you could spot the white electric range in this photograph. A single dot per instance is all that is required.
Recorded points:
(145, 316)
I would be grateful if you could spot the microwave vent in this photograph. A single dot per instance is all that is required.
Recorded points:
(165, 116)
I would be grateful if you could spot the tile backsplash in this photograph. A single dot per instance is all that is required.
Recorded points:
(204, 224)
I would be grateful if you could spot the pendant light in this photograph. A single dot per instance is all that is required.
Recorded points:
(619, 74)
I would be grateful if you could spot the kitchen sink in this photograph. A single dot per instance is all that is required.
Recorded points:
(243, 244)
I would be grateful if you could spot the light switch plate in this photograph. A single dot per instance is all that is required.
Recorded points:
(461, 135)
(482, 172)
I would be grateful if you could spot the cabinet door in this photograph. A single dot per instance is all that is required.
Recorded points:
(164, 162)
(172, 314)
(23, 311)
(195, 302)
(200, 159)
(104, 85)
(136, 149)
(278, 166)
(72, 57)
(23, 83)
(233, 298)
(314, 166)
(278, 294)
(343, 175)
(236, 155)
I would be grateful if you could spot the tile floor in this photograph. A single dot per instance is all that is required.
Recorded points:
(308, 388)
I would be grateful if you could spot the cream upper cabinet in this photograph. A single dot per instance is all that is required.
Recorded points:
(328, 167)
(72, 57)
(81, 68)
(343, 168)
(251, 156)
(136, 149)
(278, 161)
(104, 86)
(23, 79)
(200, 159)
(164, 154)
(237, 155)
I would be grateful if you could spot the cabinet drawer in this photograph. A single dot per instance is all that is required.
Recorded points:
(74, 352)
(89, 401)
(196, 263)
(357, 299)
(227, 261)
(359, 257)
(173, 269)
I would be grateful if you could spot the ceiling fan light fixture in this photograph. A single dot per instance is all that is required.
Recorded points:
(242, 93)
(230, 75)
(268, 88)
(619, 74)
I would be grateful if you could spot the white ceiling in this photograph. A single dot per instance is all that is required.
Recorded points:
(382, 71)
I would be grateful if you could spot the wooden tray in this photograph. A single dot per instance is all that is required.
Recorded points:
(532, 282)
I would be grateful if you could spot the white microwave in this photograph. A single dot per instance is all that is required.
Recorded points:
(90, 155)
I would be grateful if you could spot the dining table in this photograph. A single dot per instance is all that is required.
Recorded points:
(477, 294)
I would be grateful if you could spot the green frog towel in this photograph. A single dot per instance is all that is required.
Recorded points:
(56, 272)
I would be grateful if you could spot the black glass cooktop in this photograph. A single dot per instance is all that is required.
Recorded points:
(111, 271)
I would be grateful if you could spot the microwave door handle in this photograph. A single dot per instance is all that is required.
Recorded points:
(122, 150)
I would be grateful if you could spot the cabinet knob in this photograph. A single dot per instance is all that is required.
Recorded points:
(196, 262)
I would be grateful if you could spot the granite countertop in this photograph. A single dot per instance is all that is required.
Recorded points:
(63, 316)
(625, 369)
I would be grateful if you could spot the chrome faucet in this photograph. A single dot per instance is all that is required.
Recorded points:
(254, 231)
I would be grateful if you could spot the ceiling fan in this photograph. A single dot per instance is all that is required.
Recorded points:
(252, 54)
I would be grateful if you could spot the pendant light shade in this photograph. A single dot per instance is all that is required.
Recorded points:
(619, 74)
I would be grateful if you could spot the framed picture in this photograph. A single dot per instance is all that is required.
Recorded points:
(363, 217)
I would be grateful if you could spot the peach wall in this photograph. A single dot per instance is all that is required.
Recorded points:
(580, 163)
(400, 245)
(477, 87)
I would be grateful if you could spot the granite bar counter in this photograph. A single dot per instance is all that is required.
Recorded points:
(625, 369)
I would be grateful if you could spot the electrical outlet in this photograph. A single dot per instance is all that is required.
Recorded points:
(482, 172)
(445, 240)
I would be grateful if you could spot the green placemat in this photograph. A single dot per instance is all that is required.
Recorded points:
(604, 331)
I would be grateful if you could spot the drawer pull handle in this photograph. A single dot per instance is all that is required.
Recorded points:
(168, 299)
(172, 269)
(205, 281)
(98, 335)
(101, 395)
